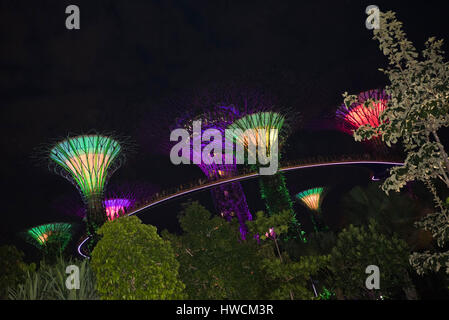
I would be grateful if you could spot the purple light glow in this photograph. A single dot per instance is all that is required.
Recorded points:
(117, 207)
(229, 199)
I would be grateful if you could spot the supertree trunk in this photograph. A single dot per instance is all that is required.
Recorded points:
(275, 193)
(230, 201)
(273, 190)
(318, 223)
(96, 217)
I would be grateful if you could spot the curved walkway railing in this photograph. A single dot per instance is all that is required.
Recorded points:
(245, 177)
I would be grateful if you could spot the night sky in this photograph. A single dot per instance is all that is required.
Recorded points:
(130, 57)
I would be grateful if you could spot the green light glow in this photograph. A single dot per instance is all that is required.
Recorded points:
(312, 198)
(87, 159)
(42, 236)
(260, 120)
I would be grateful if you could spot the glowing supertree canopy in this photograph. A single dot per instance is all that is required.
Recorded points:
(260, 120)
(360, 114)
(114, 207)
(87, 159)
(53, 236)
(217, 119)
(312, 198)
(122, 197)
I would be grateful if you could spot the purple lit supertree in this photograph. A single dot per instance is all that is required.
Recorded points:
(229, 199)
(122, 197)
(257, 113)
(366, 111)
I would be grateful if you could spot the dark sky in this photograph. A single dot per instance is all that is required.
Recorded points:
(130, 55)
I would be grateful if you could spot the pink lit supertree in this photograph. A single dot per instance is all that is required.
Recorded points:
(122, 197)
(366, 111)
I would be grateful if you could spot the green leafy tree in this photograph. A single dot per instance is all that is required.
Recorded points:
(49, 282)
(395, 213)
(13, 269)
(359, 247)
(286, 278)
(215, 262)
(319, 244)
(417, 110)
(292, 279)
(131, 261)
(261, 223)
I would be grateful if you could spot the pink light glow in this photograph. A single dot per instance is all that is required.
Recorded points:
(116, 207)
(361, 115)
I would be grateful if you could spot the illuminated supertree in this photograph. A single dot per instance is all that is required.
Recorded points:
(312, 199)
(121, 198)
(229, 199)
(88, 161)
(117, 207)
(51, 238)
(366, 111)
(247, 130)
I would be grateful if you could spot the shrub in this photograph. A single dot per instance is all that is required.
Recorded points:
(49, 283)
(14, 269)
(131, 261)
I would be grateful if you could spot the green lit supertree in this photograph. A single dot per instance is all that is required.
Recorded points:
(312, 199)
(265, 130)
(51, 239)
(88, 161)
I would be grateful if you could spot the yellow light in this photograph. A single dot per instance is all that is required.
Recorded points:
(91, 167)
